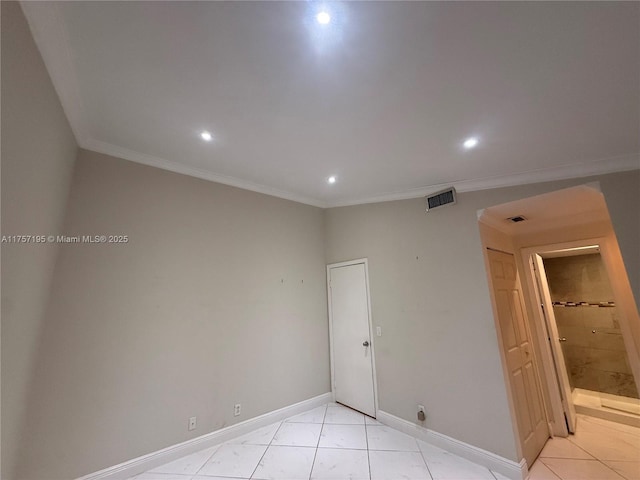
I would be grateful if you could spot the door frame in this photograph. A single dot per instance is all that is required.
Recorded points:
(365, 262)
(547, 315)
(627, 313)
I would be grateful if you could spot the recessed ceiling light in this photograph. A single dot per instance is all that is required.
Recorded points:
(331, 179)
(470, 143)
(206, 136)
(323, 18)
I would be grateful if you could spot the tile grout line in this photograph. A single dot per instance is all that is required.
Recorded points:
(207, 460)
(424, 460)
(607, 466)
(548, 468)
(315, 454)
(265, 450)
(580, 447)
(366, 437)
(580, 460)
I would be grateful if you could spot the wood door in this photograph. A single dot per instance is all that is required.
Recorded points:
(352, 357)
(518, 350)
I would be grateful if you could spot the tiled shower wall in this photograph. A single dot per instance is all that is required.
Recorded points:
(594, 349)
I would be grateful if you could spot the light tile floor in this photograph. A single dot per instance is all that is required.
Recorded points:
(599, 450)
(333, 442)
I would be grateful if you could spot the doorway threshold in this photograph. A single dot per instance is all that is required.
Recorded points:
(608, 407)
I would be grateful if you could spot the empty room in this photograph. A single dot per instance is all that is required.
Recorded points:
(296, 240)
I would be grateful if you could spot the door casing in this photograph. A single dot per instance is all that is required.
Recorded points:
(365, 262)
(543, 296)
(627, 313)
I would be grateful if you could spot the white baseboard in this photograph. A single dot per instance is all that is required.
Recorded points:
(495, 463)
(141, 464)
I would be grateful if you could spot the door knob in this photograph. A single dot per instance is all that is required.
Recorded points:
(562, 339)
(365, 343)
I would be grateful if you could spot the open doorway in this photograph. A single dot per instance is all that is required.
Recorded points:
(540, 231)
(591, 344)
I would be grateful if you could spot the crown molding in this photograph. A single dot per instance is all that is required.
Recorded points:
(49, 32)
(579, 170)
(152, 161)
(620, 163)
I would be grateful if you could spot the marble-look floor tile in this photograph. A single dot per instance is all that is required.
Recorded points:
(343, 436)
(606, 441)
(629, 470)
(447, 466)
(587, 422)
(573, 469)
(559, 447)
(381, 437)
(398, 465)
(206, 477)
(343, 415)
(312, 416)
(340, 464)
(298, 435)
(261, 436)
(615, 446)
(161, 476)
(285, 463)
(234, 461)
(189, 464)
(371, 421)
(540, 471)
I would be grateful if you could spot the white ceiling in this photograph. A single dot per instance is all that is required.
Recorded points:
(580, 205)
(382, 97)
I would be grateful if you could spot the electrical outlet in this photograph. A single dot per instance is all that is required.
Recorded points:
(237, 408)
(192, 423)
(379, 331)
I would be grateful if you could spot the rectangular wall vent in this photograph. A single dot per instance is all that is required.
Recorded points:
(440, 199)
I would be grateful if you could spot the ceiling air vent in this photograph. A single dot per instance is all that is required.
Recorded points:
(440, 199)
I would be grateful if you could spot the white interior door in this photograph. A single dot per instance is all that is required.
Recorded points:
(556, 348)
(352, 351)
(520, 359)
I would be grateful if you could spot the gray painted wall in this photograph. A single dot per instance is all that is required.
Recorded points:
(429, 293)
(622, 194)
(218, 298)
(38, 154)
